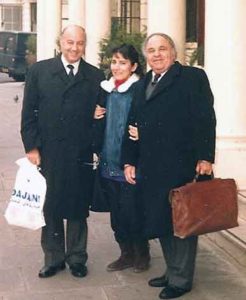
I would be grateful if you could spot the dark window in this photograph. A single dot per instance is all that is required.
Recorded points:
(195, 11)
(191, 20)
(10, 45)
(195, 22)
(22, 43)
(34, 17)
(130, 15)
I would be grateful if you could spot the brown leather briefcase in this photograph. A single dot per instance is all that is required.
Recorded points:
(203, 207)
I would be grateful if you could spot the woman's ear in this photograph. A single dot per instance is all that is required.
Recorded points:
(134, 67)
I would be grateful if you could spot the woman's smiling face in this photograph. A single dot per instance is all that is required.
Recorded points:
(121, 67)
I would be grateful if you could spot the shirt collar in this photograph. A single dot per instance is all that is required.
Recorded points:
(162, 74)
(65, 63)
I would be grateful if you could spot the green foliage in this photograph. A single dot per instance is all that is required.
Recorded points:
(197, 56)
(31, 44)
(117, 37)
(31, 52)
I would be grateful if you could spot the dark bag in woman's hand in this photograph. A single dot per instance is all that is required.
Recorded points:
(203, 207)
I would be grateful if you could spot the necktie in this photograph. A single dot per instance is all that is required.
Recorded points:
(151, 86)
(156, 77)
(70, 74)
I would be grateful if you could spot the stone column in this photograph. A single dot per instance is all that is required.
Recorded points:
(225, 63)
(98, 20)
(26, 16)
(1, 21)
(169, 17)
(143, 15)
(76, 12)
(48, 27)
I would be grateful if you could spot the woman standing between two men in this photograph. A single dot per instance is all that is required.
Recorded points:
(126, 211)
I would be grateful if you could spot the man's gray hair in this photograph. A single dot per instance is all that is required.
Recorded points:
(63, 31)
(72, 25)
(163, 35)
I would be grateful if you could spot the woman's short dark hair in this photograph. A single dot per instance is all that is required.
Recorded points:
(128, 51)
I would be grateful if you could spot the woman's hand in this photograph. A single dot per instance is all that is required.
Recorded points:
(133, 131)
(130, 173)
(99, 112)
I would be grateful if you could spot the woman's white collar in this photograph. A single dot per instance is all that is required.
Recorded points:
(108, 85)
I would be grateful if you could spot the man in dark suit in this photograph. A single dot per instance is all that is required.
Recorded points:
(173, 110)
(57, 131)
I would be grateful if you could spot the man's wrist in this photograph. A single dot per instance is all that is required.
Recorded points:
(126, 166)
(204, 161)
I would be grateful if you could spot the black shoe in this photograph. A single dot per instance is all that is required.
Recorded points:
(51, 270)
(171, 292)
(78, 270)
(159, 281)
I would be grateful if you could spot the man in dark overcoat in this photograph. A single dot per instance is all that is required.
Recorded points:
(173, 110)
(57, 131)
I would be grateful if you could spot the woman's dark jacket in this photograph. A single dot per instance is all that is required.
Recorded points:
(118, 102)
(57, 118)
(176, 129)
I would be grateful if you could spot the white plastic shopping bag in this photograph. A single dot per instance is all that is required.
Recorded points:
(25, 207)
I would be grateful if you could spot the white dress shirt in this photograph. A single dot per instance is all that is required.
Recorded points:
(66, 63)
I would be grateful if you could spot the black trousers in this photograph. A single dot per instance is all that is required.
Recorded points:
(180, 255)
(59, 248)
(126, 213)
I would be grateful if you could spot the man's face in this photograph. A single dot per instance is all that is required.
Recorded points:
(159, 53)
(72, 44)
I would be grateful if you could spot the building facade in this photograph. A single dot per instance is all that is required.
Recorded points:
(18, 15)
(217, 26)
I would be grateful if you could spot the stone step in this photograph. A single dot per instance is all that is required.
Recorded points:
(232, 242)
(242, 205)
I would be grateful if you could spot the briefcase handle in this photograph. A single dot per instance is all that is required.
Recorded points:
(198, 177)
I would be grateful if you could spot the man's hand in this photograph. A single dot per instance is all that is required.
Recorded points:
(130, 174)
(133, 132)
(204, 167)
(34, 157)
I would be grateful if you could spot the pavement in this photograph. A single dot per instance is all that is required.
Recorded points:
(217, 276)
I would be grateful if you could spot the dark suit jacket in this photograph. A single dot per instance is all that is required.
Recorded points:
(57, 118)
(176, 129)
